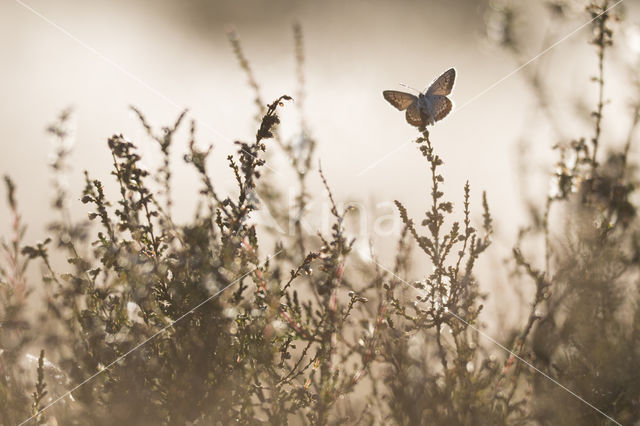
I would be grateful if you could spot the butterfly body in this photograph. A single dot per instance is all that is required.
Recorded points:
(428, 107)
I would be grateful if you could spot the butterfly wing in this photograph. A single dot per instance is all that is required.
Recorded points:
(441, 107)
(400, 100)
(443, 84)
(414, 117)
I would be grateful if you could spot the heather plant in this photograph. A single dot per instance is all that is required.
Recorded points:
(584, 315)
(14, 402)
(430, 347)
(221, 320)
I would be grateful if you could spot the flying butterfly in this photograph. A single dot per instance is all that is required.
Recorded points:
(428, 107)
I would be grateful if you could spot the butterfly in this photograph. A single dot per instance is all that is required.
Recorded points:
(426, 108)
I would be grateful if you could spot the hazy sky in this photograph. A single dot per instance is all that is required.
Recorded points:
(162, 56)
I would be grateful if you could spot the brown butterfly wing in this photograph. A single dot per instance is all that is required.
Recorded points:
(400, 100)
(443, 84)
(414, 117)
(441, 107)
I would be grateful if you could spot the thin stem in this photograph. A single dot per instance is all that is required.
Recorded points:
(601, 41)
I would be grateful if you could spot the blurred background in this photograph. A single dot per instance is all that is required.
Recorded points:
(102, 56)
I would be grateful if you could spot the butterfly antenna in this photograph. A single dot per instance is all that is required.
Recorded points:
(409, 87)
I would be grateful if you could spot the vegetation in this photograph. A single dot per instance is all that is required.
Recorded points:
(205, 322)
